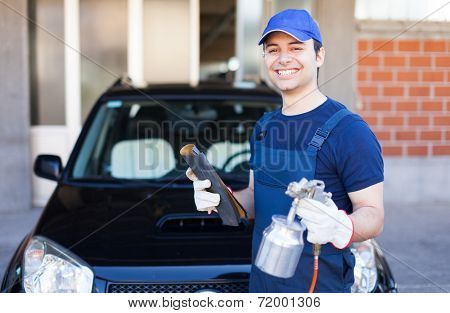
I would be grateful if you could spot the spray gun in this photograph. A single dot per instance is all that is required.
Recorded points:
(282, 243)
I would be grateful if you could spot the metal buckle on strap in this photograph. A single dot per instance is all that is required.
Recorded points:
(318, 138)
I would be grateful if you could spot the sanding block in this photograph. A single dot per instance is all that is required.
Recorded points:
(229, 209)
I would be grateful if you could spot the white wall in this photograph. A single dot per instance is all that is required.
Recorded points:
(436, 10)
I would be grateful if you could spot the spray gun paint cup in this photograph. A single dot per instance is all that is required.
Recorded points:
(281, 247)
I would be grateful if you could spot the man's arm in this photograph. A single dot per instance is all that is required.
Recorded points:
(246, 197)
(368, 212)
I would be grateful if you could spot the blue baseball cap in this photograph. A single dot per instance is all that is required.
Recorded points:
(296, 23)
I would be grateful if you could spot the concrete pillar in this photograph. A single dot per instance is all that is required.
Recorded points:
(248, 31)
(194, 34)
(280, 5)
(170, 32)
(15, 161)
(72, 68)
(135, 41)
(337, 77)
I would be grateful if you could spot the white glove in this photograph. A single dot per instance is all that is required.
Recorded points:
(325, 223)
(204, 200)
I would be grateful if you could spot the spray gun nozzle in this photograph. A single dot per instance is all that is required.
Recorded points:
(313, 189)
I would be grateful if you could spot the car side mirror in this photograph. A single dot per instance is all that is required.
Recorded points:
(48, 166)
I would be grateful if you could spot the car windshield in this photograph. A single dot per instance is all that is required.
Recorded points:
(140, 140)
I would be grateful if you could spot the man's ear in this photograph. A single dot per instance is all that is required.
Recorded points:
(320, 56)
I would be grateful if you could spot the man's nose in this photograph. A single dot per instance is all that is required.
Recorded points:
(285, 57)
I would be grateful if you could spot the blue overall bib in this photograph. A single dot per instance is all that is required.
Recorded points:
(273, 170)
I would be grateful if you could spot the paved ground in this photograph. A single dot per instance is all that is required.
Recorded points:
(416, 242)
(13, 227)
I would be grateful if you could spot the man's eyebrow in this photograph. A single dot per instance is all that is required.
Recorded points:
(290, 43)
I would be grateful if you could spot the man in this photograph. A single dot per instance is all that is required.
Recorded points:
(315, 137)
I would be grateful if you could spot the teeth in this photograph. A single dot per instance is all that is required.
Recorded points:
(286, 72)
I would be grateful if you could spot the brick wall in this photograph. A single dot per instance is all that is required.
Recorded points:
(404, 89)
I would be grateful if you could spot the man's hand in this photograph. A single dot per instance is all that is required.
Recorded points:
(325, 223)
(204, 200)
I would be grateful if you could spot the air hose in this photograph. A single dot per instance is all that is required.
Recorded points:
(316, 253)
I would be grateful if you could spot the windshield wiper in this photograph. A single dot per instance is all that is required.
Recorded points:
(234, 178)
(181, 178)
(163, 180)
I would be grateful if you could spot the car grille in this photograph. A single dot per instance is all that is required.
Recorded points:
(236, 286)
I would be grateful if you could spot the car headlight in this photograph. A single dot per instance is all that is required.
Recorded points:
(47, 267)
(365, 267)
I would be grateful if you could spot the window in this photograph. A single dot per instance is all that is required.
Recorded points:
(142, 139)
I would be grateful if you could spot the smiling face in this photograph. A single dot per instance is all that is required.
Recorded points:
(291, 64)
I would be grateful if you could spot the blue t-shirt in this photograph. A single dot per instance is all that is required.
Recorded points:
(350, 158)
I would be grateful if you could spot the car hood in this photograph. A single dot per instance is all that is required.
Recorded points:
(111, 226)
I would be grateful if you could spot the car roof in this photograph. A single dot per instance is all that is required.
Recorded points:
(123, 89)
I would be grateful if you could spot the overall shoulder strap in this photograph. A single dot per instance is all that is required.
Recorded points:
(266, 118)
(323, 132)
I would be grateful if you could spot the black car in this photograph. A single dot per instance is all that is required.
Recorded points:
(122, 217)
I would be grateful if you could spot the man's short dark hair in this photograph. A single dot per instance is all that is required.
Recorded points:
(317, 46)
